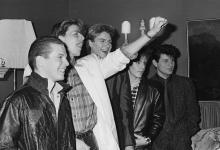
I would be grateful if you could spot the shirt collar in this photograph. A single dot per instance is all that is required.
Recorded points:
(54, 86)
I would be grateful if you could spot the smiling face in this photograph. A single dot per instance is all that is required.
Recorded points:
(165, 65)
(137, 68)
(54, 66)
(101, 45)
(73, 40)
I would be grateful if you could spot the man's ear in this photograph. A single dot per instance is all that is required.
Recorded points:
(61, 38)
(154, 63)
(90, 43)
(40, 61)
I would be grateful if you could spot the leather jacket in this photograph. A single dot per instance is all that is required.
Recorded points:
(29, 120)
(149, 111)
(148, 115)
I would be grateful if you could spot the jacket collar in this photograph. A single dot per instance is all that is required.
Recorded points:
(41, 84)
(162, 80)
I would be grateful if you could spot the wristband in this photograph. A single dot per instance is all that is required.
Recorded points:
(148, 140)
(150, 37)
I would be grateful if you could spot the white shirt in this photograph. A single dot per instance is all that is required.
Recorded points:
(54, 89)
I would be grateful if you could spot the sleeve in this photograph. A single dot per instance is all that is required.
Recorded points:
(193, 110)
(158, 115)
(9, 126)
(127, 113)
(113, 63)
(119, 92)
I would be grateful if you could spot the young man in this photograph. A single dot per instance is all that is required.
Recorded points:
(182, 109)
(99, 42)
(38, 115)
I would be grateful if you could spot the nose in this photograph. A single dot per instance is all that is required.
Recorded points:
(81, 37)
(142, 66)
(108, 45)
(171, 63)
(66, 62)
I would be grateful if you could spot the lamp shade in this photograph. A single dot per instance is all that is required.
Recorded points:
(125, 27)
(16, 36)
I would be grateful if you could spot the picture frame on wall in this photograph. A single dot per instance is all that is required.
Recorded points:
(203, 37)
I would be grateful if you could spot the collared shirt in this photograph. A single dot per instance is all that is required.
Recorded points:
(84, 110)
(54, 89)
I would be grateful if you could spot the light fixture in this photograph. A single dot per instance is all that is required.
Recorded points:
(16, 36)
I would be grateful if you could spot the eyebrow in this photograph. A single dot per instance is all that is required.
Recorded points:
(104, 39)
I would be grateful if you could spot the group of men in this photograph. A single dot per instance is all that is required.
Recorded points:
(46, 113)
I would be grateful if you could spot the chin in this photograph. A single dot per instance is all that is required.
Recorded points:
(60, 78)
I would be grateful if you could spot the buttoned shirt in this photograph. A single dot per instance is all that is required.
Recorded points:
(53, 89)
(84, 111)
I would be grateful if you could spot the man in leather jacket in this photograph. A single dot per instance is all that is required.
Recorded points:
(132, 93)
(37, 116)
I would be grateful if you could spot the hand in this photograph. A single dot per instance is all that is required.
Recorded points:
(141, 140)
(129, 148)
(156, 24)
(80, 145)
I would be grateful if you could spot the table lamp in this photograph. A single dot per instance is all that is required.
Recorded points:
(16, 36)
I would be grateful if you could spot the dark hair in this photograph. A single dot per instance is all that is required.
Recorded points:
(41, 47)
(96, 29)
(60, 28)
(167, 49)
(145, 51)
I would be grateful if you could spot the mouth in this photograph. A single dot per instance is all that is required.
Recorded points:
(79, 45)
(62, 70)
(105, 51)
(170, 69)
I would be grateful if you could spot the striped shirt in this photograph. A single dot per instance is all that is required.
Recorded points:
(84, 110)
(134, 92)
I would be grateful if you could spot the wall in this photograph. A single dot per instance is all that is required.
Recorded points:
(42, 13)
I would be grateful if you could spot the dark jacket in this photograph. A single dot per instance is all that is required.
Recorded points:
(148, 115)
(182, 114)
(149, 112)
(29, 121)
(119, 93)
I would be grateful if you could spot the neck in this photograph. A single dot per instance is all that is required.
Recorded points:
(162, 75)
(42, 74)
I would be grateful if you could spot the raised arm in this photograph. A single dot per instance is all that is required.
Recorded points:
(118, 59)
(156, 24)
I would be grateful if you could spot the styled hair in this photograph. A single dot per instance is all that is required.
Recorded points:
(96, 29)
(167, 49)
(60, 28)
(41, 47)
(145, 51)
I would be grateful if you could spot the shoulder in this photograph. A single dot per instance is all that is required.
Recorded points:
(19, 96)
(119, 77)
(181, 79)
(91, 58)
(156, 84)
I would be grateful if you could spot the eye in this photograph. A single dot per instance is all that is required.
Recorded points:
(75, 34)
